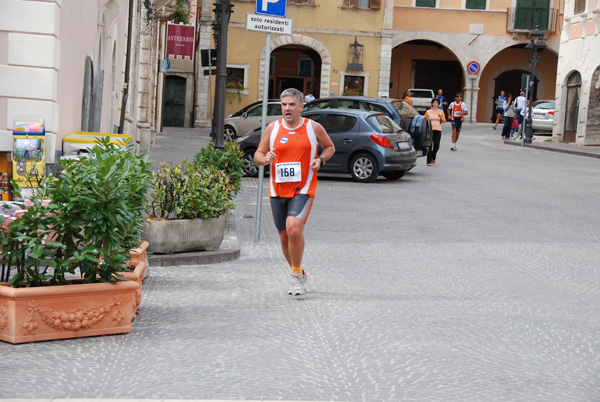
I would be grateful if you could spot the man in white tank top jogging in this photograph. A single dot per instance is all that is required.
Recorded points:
(456, 112)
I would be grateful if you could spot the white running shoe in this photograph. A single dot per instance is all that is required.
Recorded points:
(297, 287)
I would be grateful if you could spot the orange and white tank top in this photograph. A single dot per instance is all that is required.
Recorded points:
(457, 110)
(294, 149)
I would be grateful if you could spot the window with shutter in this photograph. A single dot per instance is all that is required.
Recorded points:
(425, 3)
(372, 4)
(475, 4)
(531, 13)
(579, 6)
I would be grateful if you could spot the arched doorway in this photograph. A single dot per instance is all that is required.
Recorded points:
(511, 82)
(572, 107)
(425, 64)
(592, 129)
(294, 66)
(174, 101)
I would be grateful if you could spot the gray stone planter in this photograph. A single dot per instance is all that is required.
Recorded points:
(177, 236)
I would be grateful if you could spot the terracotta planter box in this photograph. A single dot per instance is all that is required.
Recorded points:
(137, 275)
(138, 254)
(69, 311)
(177, 236)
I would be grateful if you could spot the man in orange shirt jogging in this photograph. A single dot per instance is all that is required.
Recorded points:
(290, 146)
(456, 112)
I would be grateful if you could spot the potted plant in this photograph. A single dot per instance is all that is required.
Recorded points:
(189, 203)
(67, 254)
(234, 89)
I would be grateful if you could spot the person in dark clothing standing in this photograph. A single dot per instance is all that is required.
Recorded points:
(509, 114)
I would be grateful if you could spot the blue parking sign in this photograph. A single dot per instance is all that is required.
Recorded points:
(275, 8)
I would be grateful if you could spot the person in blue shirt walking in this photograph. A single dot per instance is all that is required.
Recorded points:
(500, 108)
(442, 100)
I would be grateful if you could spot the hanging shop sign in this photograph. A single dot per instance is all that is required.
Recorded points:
(180, 41)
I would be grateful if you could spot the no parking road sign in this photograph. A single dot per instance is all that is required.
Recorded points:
(275, 8)
(473, 67)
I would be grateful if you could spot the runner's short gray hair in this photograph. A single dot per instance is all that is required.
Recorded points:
(293, 92)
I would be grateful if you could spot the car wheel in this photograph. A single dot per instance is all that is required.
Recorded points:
(364, 168)
(250, 168)
(394, 175)
(229, 134)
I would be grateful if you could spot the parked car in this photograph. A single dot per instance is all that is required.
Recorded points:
(367, 144)
(402, 112)
(542, 115)
(421, 99)
(249, 118)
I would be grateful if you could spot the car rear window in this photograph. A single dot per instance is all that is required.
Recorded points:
(422, 94)
(274, 109)
(377, 108)
(404, 109)
(337, 123)
(383, 124)
(318, 105)
(545, 105)
(350, 104)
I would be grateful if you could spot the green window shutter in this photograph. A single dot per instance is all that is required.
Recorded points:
(530, 13)
(425, 3)
(475, 4)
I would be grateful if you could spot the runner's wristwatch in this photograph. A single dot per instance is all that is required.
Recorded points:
(322, 161)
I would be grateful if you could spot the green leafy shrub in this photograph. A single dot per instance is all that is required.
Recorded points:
(182, 11)
(230, 160)
(94, 218)
(202, 189)
(189, 192)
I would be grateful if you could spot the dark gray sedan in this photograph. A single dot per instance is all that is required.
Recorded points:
(367, 144)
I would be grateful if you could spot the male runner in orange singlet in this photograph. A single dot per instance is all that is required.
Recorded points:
(290, 146)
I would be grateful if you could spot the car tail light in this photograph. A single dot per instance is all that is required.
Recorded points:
(382, 141)
(551, 113)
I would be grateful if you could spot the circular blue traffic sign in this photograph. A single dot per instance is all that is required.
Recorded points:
(473, 67)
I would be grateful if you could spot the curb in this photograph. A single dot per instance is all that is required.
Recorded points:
(228, 251)
(564, 150)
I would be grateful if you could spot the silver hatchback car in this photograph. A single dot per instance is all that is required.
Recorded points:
(542, 115)
(247, 120)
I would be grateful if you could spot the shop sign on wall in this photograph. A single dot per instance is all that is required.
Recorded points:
(180, 41)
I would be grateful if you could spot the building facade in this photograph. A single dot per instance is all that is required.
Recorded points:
(577, 119)
(81, 65)
(384, 47)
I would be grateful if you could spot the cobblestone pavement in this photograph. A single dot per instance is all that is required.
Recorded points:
(472, 280)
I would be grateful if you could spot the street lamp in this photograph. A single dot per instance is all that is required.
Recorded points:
(536, 45)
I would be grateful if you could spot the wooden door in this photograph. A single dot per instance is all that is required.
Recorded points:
(174, 102)
(572, 107)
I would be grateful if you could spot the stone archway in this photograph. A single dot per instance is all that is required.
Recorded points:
(301, 40)
(592, 128)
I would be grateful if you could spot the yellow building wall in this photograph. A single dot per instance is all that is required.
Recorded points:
(329, 24)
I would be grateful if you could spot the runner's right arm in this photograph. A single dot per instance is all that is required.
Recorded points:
(263, 155)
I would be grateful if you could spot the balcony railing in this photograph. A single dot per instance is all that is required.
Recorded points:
(520, 19)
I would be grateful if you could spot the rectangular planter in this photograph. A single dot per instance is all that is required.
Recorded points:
(68, 311)
(179, 236)
(137, 274)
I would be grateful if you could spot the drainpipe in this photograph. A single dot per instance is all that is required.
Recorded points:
(127, 68)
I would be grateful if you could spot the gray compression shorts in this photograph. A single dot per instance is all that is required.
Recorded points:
(298, 206)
